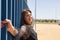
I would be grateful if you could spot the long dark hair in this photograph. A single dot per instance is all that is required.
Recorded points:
(25, 11)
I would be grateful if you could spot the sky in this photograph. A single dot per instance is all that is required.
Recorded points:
(45, 9)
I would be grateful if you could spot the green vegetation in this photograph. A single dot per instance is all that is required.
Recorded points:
(45, 21)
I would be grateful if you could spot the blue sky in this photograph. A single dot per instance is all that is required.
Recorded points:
(45, 9)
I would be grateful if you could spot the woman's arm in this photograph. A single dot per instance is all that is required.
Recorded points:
(16, 32)
(11, 29)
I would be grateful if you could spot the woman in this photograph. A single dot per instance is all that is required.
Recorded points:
(26, 31)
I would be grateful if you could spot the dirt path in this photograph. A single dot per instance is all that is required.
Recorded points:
(48, 31)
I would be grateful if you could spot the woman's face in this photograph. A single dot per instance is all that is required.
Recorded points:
(28, 18)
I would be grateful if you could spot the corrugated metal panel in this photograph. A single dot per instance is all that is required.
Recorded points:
(11, 9)
(0, 19)
(3, 16)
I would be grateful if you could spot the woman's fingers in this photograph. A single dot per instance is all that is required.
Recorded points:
(6, 21)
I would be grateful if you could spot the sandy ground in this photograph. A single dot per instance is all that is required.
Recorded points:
(48, 31)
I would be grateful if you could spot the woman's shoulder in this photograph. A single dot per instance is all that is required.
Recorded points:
(23, 26)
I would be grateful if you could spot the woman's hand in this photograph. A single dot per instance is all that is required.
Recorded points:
(6, 21)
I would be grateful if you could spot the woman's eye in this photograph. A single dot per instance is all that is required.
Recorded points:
(27, 15)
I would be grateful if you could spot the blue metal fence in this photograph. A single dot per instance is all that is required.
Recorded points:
(0, 19)
(11, 9)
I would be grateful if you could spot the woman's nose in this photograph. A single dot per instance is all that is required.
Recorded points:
(30, 16)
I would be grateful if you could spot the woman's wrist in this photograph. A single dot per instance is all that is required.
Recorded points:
(12, 30)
